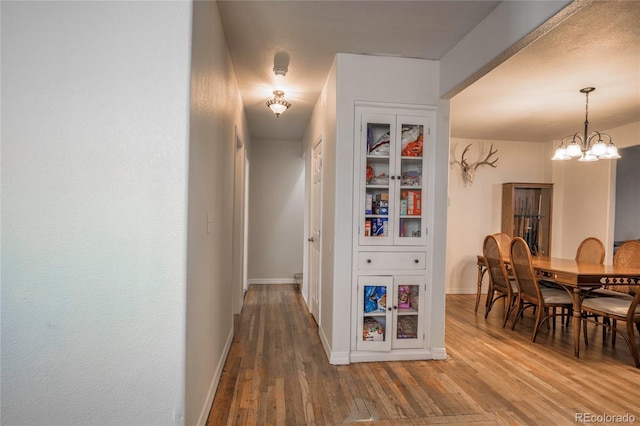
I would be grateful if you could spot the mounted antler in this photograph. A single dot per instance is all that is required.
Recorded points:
(469, 170)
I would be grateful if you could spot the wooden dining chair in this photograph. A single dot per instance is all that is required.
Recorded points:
(530, 293)
(500, 286)
(504, 241)
(590, 250)
(628, 254)
(621, 306)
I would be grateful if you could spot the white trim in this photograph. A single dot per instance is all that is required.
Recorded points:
(204, 414)
(439, 353)
(271, 281)
(339, 358)
(394, 355)
(464, 290)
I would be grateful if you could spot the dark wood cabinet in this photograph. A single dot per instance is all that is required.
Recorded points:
(526, 213)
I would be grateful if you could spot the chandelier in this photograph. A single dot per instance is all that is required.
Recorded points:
(278, 104)
(581, 143)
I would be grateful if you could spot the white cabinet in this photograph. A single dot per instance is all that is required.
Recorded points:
(390, 313)
(391, 181)
(394, 151)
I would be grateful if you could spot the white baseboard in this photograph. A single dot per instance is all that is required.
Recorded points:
(204, 414)
(439, 353)
(463, 290)
(335, 358)
(339, 358)
(271, 281)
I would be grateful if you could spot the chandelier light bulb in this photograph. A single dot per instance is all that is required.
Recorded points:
(612, 152)
(574, 150)
(599, 148)
(561, 154)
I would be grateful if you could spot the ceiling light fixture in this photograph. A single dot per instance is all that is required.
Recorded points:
(580, 145)
(278, 104)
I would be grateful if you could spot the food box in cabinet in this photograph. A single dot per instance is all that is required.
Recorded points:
(372, 331)
(368, 204)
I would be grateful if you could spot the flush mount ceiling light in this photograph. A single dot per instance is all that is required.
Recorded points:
(278, 104)
(580, 145)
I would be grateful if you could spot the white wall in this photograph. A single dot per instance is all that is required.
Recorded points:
(587, 194)
(475, 210)
(94, 211)
(276, 211)
(216, 113)
(363, 78)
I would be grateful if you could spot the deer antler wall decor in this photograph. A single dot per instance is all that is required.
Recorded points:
(469, 170)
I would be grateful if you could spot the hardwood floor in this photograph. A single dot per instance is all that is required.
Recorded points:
(277, 374)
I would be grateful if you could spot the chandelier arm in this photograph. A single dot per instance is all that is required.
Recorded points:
(577, 137)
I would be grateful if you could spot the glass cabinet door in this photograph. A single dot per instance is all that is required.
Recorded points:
(374, 313)
(377, 144)
(410, 179)
(408, 316)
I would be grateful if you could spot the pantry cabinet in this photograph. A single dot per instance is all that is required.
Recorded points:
(392, 209)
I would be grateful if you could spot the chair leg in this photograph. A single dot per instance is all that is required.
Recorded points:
(539, 314)
(584, 330)
(510, 305)
(632, 343)
(489, 303)
(613, 332)
(519, 310)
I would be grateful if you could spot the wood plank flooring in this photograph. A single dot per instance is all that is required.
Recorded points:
(277, 374)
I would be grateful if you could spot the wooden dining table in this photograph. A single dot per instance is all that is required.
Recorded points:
(577, 278)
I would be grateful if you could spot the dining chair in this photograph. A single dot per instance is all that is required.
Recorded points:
(628, 254)
(500, 286)
(615, 309)
(530, 293)
(504, 242)
(590, 250)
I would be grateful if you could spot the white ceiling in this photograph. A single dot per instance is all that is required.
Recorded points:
(533, 96)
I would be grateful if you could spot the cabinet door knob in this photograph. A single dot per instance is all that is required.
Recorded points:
(310, 239)
(395, 307)
(389, 308)
(399, 177)
(416, 261)
(393, 177)
(368, 260)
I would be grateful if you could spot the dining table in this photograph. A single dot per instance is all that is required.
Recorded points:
(577, 278)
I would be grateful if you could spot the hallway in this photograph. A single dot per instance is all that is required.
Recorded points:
(277, 373)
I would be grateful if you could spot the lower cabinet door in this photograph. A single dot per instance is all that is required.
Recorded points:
(390, 313)
(408, 312)
(374, 313)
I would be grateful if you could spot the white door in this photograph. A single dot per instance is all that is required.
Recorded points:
(314, 231)
(239, 252)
